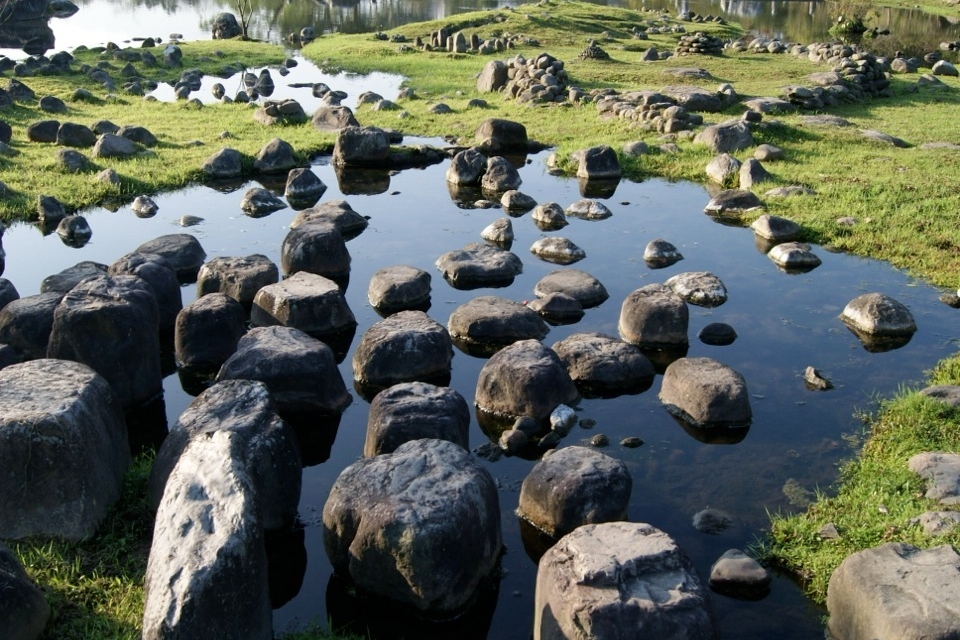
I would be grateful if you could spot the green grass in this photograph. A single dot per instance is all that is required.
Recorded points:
(877, 495)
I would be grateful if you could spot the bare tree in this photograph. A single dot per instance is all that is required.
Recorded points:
(245, 11)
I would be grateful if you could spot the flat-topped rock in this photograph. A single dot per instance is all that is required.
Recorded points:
(732, 201)
(706, 393)
(580, 285)
(654, 317)
(404, 347)
(495, 321)
(182, 250)
(306, 301)
(478, 265)
(794, 256)
(412, 411)
(604, 366)
(878, 314)
(942, 471)
(775, 228)
(237, 277)
(339, 212)
(399, 288)
(557, 250)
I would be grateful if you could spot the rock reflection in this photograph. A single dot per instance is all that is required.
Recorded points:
(286, 563)
(712, 435)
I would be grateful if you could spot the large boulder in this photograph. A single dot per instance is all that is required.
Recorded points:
(493, 76)
(706, 394)
(317, 247)
(726, 137)
(390, 525)
(403, 347)
(701, 288)
(494, 322)
(524, 379)
(162, 278)
(339, 212)
(654, 317)
(182, 250)
(25, 324)
(110, 324)
(276, 156)
(601, 365)
(413, 411)
(479, 265)
(878, 314)
(207, 571)
(399, 288)
(309, 302)
(361, 147)
(580, 285)
(605, 578)
(333, 118)
(267, 446)
(225, 26)
(225, 163)
(63, 449)
(237, 277)
(498, 134)
(896, 591)
(467, 167)
(500, 176)
(207, 331)
(573, 487)
(300, 372)
(598, 163)
(68, 278)
(23, 609)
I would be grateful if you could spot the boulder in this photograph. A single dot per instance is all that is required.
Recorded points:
(238, 277)
(110, 323)
(306, 301)
(403, 347)
(588, 209)
(74, 231)
(712, 521)
(706, 394)
(8, 292)
(549, 216)
(110, 145)
(390, 525)
(942, 471)
(878, 314)
(258, 202)
(722, 169)
(225, 26)
(138, 134)
(604, 578)
(499, 233)
(24, 610)
(726, 137)
(737, 574)
(500, 176)
(895, 591)
(767, 152)
(71, 134)
(701, 288)
(339, 212)
(577, 284)
(43, 131)
(72, 161)
(300, 372)
(160, 275)
(52, 104)
(659, 254)
(25, 324)
(399, 288)
(694, 98)
(733, 201)
(479, 265)
(794, 256)
(413, 411)
(274, 157)
(207, 571)
(557, 308)
(495, 322)
(516, 201)
(303, 184)
(598, 163)
(524, 379)
(317, 247)
(333, 118)
(207, 331)
(63, 450)
(144, 207)
(225, 163)
(493, 76)
(50, 211)
(467, 167)
(182, 250)
(948, 394)
(752, 173)
(603, 366)
(775, 228)
(557, 250)
(573, 487)
(654, 317)
(498, 134)
(267, 446)
(361, 147)
(717, 334)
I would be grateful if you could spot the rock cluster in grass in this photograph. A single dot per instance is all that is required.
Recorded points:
(699, 43)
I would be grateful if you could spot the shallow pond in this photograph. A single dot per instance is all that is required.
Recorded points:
(785, 323)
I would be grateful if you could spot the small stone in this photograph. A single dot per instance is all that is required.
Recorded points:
(712, 521)
(599, 440)
(631, 442)
(829, 532)
(815, 380)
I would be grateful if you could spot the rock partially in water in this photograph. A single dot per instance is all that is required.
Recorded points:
(303, 184)
(659, 254)
(399, 288)
(479, 265)
(413, 411)
(775, 228)
(25, 324)
(577, 284)
(701, 288)
(588, 585)
(557, 250)
(207, 331)
(467, 167)
(706, 394)
(275, 156)
(602, 366)
(74, 230)
(815, 381)
(499, 233)
(712, 521)
(794, 256)
(225, 163)
(549, 216)
(717, 334)
(339, 212)
(144, 206)
(389, 524)
(733, 201)
(258, 202)
(573, 487)
(361, 147)
(162, 278)
(738, 575)
(182, 250)
(597, 163)
(877, 314)
(492, 322)
(654, 317)
(306, 301)
(588, 209)
(50, 211)
(558, 308)
(500, 176)
(317, 247)
(238, 277)
(516, 201)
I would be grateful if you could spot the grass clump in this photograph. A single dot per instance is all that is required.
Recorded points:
(877, 495)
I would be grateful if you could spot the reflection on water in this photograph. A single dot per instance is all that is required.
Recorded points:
(274, 20)
(785, 323)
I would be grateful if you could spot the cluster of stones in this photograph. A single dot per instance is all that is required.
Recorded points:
(652, 110)
(538, 80)
(699, 43)
(691, 16)
(446, 39)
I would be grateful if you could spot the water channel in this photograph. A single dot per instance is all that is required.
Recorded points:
(785, 323)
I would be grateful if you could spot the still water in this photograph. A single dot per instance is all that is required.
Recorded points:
(785, 323)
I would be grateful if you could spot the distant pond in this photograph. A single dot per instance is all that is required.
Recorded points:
(785, 323)
(273, 20)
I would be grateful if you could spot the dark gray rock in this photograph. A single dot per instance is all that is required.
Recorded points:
(467, 167)
(500, 176)
(182, 250)
(333, 118)
(162, 278)
(258, 202)
(275, 156)
(137, 134)
(25, 324)
(399, 288)
(726, 137)
(589, 585)
(573, 487)
(8, 292)
(701, 288)
(74, 231)
(495, 322)
(654, 317)
(895, 591)
(207, 331)
(659, 254)
(306, 301)
(23, 611)
(549, 216)
(404, 347)
(317, 247)
(225, 26)
(604, 366)
(303, 184)
(718, 334)
(71, 134)
(558, 308)
(72, 161)
(524, 379)
(50, 211)
(498, 134)
(267, 446)
(43, 131)
(577, 284)
(389, 524)
(361, 146)
(110, 145)
(598, 163)
(238, 277)
(733, 201)
(207, 571)
(712, 521)
(339, 212)
(478, 265)
(63, 450)
(225, 163)
(300, 372)
(706, 394)
(52, 104)
(413, 411)
(110, 324)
